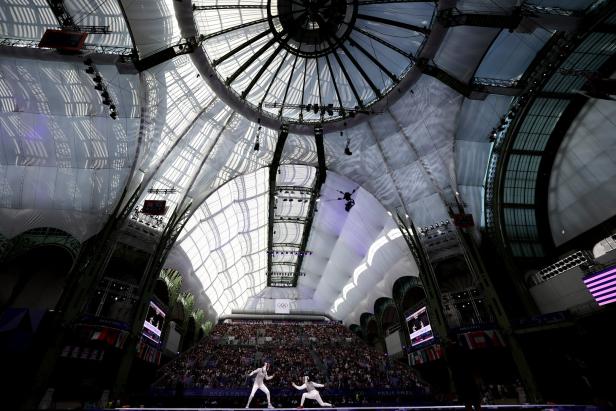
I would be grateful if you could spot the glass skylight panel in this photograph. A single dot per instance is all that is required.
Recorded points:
(184, 162)
(276, 59)
(229, 229)
(295, 175)
(64, 138)
(101, 13)
(26, 19)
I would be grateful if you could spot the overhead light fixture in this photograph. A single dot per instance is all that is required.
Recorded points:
(347, 150)
(113, 115)
(90, 70)
(257, 146)
(98, 87)
(107, 101)
(88, 62)
(105, 94)
(98, 78)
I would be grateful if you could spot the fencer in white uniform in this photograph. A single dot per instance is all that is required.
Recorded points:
(311, 392)
(261, 376)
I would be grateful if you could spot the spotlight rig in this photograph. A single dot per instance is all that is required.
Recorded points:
(100, 86)
(328, 109)
(257, 145)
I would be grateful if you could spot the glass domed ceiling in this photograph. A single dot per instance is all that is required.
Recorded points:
(312, 61)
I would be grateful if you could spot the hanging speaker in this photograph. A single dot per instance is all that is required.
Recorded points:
(69, 41)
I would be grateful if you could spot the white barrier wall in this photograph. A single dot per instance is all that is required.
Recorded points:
(561, 292)
(394, 343)
(173, 339)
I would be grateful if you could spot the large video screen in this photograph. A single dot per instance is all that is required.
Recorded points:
(153, 325)
(419, 326)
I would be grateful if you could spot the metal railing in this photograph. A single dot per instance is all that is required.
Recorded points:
(89, 48)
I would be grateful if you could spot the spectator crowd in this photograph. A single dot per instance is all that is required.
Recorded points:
(327, 351)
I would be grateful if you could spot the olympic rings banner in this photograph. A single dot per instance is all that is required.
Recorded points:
(283, 306)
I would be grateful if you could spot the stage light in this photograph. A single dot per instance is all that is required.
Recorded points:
(90, 70)
(105, 94)
(107, 101)
(98, 79)
(112, 107)
(330, 109)
(256, 147)
(88, 62)
(347, 150)
(113, 115)
(98, 87)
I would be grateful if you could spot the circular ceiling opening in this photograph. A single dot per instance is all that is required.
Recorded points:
(311, 61)
(312, 28)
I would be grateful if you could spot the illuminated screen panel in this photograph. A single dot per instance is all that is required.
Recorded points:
(153, 324)
(602, 285)
(419, 325)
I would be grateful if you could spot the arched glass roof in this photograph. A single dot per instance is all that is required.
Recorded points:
(28, 20)
(180, 138)
(312, 61)
(226, 241)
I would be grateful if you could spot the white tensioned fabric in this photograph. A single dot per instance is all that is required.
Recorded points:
(510, 54)
(208, 146)
(291, 208)
(357, 255)
(216, 147)
(405, 156)
(234, 155)
(175, 99)
(63, 161)
(564, 4)
(507, 59)
(101, 13)
(472, 148)
(153, 24)
(464, 46)
(185, 121)
(226, 240)
(582, 189)
(184, 162)
(28, 19)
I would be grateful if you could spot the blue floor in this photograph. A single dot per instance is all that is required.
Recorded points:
(554, 407)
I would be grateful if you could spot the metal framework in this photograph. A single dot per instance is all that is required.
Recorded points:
(185, 46)
(67, 22)
(340, 43)
(88, 48)
(516, 196)
(452, 17)
(321, 175)
(273, 171)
